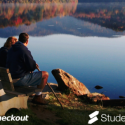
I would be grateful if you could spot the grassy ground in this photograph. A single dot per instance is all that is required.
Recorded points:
(75, 112)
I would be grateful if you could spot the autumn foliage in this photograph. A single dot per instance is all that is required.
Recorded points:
(19, 14)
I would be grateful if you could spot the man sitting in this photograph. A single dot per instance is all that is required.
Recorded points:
(21, 65)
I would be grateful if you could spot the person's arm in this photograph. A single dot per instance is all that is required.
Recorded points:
(37, 66)
(29, 61)
(3, 56)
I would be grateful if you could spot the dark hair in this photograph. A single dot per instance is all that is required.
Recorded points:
(10, 41)
(23, 37)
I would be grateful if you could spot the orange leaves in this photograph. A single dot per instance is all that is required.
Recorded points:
(18, 21)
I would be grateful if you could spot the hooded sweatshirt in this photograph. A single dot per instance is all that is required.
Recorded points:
(20, 61)
(3, 56)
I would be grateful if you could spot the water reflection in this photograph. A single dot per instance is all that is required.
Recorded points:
(88, 19)
(110, 15)
(18, 14)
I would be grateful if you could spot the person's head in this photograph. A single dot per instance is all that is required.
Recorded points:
(24, 37)
(10, 41)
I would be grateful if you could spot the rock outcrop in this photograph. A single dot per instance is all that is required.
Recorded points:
(95, 97)
(65, 80)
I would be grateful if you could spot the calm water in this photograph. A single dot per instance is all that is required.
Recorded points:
(84, 39)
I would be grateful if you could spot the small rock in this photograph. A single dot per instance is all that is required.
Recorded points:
(94, 97)
(76, 99)
(45, 96)
(121, 96)
(98, 87)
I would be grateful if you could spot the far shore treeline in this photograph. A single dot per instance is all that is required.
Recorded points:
(17, 14)
(43, 1)
(98, 1)
(35, 1)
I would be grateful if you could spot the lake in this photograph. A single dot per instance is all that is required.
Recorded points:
(84, 39)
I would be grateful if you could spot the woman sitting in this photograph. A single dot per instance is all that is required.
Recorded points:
(4, 50)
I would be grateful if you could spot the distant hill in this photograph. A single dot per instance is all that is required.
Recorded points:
(60, 26)
(98, 1)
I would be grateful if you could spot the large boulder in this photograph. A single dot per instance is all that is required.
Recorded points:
(65, 80)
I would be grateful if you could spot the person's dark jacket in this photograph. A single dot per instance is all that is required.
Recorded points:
(20, 61)
(3, 56)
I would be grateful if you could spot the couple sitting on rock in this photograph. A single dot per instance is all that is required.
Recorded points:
(21, 65)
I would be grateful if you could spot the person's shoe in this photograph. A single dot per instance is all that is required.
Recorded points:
(32, 95)
(39, 100)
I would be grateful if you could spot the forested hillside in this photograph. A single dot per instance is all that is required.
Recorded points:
(17, 14)
(98, 1)
(35, 1)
